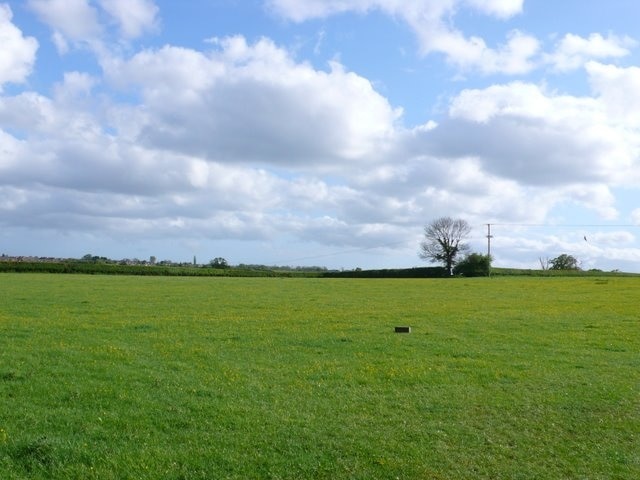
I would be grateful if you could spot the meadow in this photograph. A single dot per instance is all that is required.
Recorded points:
(122, 377)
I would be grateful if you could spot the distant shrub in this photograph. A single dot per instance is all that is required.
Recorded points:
(474, 265)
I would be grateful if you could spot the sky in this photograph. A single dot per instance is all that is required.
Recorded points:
(320, 132)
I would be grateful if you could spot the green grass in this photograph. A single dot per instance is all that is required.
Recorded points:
(182, 378)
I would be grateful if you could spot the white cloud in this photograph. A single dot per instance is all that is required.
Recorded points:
(520, 99)
(76, 85)
(189, 164)
(60, 42)
(18, 53)
(89, 178)
(86, 22)
(28, 113)
(211, 105)
(535, 136)
(429, 20)
(301, 10)
(616, 238)
(619, 90)
(514, 58)
(558, 149)
(11, 199)
(573, 52)
(70, 20)
(135, 17)
(498, 8)
(11, 151)
(167, 72)
(597, 197)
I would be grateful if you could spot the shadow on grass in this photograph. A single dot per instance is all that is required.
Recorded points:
(34, 455)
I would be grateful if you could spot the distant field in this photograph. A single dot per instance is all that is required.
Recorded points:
(117, 377)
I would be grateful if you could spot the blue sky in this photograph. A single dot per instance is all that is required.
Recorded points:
(317, 132)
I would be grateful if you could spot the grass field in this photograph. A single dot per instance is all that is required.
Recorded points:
(182, 378)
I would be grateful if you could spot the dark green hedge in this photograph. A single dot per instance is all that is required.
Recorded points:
(422, 272)
(116, 269)
(162, 270)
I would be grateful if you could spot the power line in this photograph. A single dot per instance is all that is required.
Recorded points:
(489, 236)
(565, 225)
(545, 225)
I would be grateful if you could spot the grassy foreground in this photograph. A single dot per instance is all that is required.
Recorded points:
(183, 378)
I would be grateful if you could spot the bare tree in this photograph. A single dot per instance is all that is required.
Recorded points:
(544, 263)
(443, 241)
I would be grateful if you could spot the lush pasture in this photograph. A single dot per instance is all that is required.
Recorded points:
(175, 378)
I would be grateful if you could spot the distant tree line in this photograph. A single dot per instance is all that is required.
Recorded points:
(91, 262)
(145, 270)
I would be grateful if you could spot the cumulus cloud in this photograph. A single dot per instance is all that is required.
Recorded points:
(105, 165)
(498, 8)
(522, 132)
(254, 103)
(75, 85)
(595, 196)
(432, 24)
(573, 51)
(83, 22)
(430, 21)
(619, 90)
(516, 56)
(615, 238)
(70, 20)
(500, 147)
(134, 17)
(12, 151)
(211, 131)
(18, 53)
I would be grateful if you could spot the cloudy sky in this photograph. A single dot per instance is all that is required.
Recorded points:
(320, 132)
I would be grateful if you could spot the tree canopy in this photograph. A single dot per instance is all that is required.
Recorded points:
(443, 241)
(474, 265)
(219, 262)
(564, 262)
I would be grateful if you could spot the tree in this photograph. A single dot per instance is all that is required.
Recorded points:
(219, 262)
(474, 265)
(564, 262)
(544, 263)
(443, 241)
